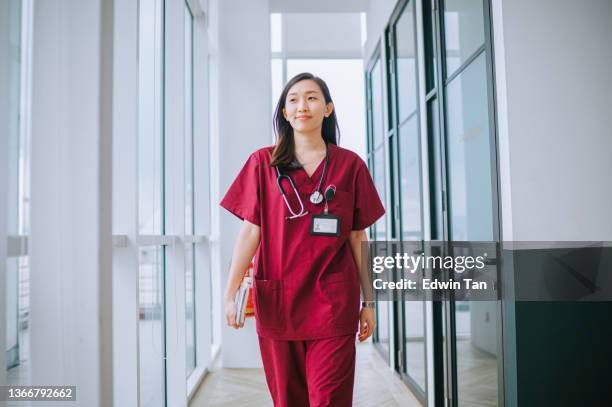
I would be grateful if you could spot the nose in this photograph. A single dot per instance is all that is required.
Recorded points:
(302, 105)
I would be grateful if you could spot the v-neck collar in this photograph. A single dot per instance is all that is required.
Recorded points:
(316, 175)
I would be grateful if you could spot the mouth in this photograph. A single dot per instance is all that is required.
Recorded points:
(303, 117)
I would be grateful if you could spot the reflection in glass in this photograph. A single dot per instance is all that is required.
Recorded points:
(406, 63)
(150, 124)
(414, 340)
(377, 106)
(469, 155)
(151, 338)
(189, 200)
(463, 31)
(476, 341)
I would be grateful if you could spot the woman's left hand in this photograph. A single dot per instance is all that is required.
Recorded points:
(367, 322)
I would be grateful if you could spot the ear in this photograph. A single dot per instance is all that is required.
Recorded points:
(329, 108)
(284, 113)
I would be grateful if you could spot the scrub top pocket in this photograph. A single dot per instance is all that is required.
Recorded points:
(342, 293)
(269, 303)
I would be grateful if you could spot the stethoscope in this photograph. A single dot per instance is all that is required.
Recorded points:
(316, 197)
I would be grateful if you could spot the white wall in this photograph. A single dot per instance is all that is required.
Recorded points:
(555, 108)
(241, 55)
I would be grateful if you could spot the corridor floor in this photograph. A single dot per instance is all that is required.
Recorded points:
(375, 385)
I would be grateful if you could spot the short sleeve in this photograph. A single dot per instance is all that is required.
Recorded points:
(242, 197)
(368, 207)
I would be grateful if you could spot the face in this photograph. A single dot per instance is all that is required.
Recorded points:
(305, 106)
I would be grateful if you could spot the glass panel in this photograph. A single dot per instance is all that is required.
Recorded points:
(151, 337)
(414, 341)
(382, 307)
(11, 297)
(379, 182)
(190, 326)
(472, 219)
(151, 327)
(469, 156)
(476, 341)
(150, 119)
(189, 194)
(344, 77)
(463, 31)
(406, 63)
(377, 104)
(382, 324)
(17, 294)
(188, 125)
(410, 180)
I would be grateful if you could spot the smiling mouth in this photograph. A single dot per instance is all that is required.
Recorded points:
(303, 117)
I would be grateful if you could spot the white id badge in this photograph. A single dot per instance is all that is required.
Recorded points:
(325, 225)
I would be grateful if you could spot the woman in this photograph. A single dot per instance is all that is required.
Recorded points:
(308, 261)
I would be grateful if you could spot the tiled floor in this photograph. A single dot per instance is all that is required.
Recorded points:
(375, 385)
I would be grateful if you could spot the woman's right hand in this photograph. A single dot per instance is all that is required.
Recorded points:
(230, 314)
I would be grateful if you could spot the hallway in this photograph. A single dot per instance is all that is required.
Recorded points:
(482, 125)
(375, 385)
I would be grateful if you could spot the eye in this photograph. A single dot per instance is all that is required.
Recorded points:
(312, 97)
(292, 100)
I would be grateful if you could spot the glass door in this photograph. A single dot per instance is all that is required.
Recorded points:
(463, 177)
(376, 160)
(405, 142)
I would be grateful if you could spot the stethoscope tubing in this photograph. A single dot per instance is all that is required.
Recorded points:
(280, 176)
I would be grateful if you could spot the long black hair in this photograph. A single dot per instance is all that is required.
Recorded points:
(284, 152)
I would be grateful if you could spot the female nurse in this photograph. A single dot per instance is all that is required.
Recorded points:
(305, 203)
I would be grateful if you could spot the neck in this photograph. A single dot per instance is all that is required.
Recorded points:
(308, 141)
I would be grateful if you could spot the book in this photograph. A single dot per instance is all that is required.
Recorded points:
(242, 297)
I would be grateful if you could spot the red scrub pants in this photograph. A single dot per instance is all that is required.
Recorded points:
(310, 373)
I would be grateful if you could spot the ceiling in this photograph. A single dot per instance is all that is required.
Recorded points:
(318, 6)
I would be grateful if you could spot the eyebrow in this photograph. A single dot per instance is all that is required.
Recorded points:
(295, 93)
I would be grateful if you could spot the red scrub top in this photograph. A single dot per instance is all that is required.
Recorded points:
(306, 287)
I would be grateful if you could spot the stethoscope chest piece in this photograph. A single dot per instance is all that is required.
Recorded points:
(316, 197)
